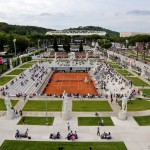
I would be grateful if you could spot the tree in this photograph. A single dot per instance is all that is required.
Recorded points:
(3, 40)
(55, 46)
(81, 47)
(104, 43)
(22, 43)
(66, 45)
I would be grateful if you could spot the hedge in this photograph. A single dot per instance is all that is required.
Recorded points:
(37, 53)
(16, 62)
(7, 56)
(26, 58)
(3, 68)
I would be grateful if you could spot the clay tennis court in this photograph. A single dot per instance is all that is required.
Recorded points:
(71, 83)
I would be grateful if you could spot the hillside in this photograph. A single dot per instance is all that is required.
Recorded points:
(109, 32)
(22, 30)
(30, 30)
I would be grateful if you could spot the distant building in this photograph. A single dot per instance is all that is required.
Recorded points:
(76, 32)
(128, 34)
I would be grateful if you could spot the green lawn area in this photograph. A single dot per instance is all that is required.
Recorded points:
(136, 72)
(124, 72)
(112, 63)
(32, 62)
(94, 121)
(16, 72)
(139, 105)
(115, 66)
(143, 120)
(91, 106)
(81, 106)
(36, 121)
(137, 82)
(146, 92)
(40, 145)
(40, 105)
(28, 65)
(2, 105)
(5, 79)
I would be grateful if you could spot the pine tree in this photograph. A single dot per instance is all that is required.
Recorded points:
(81, 47)
(55, 46)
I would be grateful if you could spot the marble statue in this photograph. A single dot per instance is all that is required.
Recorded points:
(124, 103)
(10, 112)
(87, 56)
(8, 103)
(67, 106)
(71, 56)
(123, 112)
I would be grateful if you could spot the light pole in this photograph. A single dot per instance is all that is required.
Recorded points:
(14, 40)
(38, 45)
(46, 114)
(126, 43)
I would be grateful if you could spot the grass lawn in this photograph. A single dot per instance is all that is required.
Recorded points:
(143, 120)
(91, 106)
(112, 63)
(40, 145)
(138, 105)
(124, 72)
(5, 79)
(137, 82)
(115, 66)
(40, 105)
(16, 72)
(2, 105)
(32, 62)
(146, 92)
(36, 121)
(28, 65)
(136, 72)
(94, 121)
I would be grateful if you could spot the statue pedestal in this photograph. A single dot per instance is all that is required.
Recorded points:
(66, 115)
(20, 60)
(10, 114)
(11, 66)
(130, 68)
(67, 108)
(142, 74)
(122, 115)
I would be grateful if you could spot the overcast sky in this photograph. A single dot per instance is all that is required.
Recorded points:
(117, 15)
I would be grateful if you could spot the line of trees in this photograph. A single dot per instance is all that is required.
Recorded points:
(141, 43)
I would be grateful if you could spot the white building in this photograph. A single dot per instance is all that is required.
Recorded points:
(76, 32)
(128, 34)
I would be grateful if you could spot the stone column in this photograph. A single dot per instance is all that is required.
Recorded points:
(10, 114)
(11, 66)
(20, 60)
(67, 108)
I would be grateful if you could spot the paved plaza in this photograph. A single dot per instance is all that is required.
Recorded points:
(127, 131)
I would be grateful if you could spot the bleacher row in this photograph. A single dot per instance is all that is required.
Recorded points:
(27, 83)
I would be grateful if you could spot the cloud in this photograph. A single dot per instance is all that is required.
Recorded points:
(139, 12)
(45, 14)
(62, 14)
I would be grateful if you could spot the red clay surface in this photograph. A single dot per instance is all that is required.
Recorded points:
(71, 83)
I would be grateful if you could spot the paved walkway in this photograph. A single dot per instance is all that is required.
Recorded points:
(134, 136)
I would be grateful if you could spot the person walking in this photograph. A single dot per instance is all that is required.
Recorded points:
(20, 112)
(98, 131)
(68, 126)
(16, 113)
